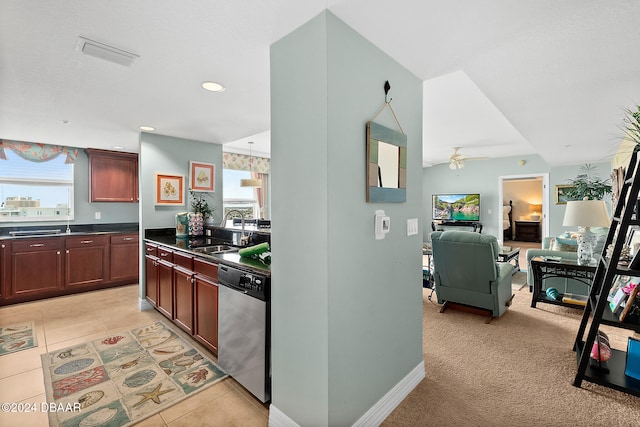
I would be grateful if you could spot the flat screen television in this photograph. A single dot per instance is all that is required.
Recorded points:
(456, 207)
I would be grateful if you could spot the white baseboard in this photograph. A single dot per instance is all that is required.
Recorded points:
(381, 410)
(377, 413)
(277, 418)
(144, 305)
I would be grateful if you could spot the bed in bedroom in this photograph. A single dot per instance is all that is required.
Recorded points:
(507, 221)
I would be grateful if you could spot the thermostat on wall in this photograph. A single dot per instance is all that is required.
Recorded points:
(382, 224)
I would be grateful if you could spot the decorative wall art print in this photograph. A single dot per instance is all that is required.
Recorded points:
(201, 176)
(561, 194)
(169, 189)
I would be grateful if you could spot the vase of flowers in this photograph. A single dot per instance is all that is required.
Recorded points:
(201, 210)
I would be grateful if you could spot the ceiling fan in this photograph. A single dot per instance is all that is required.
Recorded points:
(456, 160)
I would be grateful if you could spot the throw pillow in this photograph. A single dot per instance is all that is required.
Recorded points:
(564, 244)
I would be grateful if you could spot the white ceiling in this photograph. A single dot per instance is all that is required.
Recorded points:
(502, 78)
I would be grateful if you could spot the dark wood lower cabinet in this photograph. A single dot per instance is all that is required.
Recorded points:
(36, 267)
(184, 288)
(165, 288)
(41, 267)
(151, 279)
(183, 298)
(124, 257)
(86, 261)
(205, 316)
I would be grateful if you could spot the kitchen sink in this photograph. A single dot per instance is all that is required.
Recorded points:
(215, 249)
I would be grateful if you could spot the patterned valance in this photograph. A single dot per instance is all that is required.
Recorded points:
(241, 162)
(37, 151)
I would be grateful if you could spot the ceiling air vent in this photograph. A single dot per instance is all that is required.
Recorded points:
(106, 52)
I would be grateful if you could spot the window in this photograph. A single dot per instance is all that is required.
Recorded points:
(35, 191)
(236, 197)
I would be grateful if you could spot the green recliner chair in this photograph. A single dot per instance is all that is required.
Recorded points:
(466, 271)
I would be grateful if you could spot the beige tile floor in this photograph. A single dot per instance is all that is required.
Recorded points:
(64, 321)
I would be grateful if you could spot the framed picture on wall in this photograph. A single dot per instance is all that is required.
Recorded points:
(561, 194)
(169, 189)
(201, 176)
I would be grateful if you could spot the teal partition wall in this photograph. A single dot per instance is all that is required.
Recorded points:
(346, 308)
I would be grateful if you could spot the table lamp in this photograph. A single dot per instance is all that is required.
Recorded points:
(586, 213)
(536, 207)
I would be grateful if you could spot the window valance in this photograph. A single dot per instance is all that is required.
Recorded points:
(241, 162)
(37, 151)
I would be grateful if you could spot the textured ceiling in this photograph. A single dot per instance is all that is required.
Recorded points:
(501, 77)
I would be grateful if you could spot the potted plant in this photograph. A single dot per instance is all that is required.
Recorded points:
(631, 125)
(588, 184)
(201, 212)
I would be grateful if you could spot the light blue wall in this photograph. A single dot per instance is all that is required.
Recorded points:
(166, 154)
(481, 176)
(83, 209)
(346, 308)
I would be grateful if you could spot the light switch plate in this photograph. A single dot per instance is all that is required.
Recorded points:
(412, 226)
(98, 215)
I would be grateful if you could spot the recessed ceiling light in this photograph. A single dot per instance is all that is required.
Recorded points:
(147, 128)
(213, 86)
(65, 122)
(118, 147)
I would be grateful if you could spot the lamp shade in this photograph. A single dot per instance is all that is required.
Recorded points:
(586, 213)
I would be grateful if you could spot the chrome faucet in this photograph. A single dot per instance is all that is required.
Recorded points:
(243, 239)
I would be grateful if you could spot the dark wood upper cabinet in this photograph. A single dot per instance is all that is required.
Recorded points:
(113, 176)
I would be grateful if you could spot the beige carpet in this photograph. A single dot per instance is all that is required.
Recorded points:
(516, 371)
(518, 281)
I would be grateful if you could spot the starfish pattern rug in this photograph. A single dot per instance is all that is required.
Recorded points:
(124, 378)
(20, 336)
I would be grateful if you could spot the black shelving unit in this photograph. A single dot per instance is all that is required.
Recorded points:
(597, 311)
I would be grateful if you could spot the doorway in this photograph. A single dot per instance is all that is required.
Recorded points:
(529, 197)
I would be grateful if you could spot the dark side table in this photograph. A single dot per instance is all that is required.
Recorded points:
(544, 268)
(507, 254)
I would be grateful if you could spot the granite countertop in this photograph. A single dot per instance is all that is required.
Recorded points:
(231, 258)
(76, 230)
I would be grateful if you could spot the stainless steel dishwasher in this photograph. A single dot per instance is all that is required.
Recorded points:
(244, 329)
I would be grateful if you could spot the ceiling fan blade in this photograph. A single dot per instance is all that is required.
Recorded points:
(475, 158)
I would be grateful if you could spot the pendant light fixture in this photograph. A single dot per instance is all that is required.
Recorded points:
(250, 182)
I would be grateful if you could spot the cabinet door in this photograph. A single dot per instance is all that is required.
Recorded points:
(113, 176)
(5, 264)
(165, 288)
(86, 261)
(124, 258)
(205, 301)
(151, 279)
(183, 298)
(36, 266)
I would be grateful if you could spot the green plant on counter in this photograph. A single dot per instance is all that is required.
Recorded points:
(199, 203)
(588, 184)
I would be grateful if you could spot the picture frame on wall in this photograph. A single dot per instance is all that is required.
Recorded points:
(169, 189)
(202, 176)
(561, 194)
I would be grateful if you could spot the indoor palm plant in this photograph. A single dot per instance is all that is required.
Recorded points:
(631, 125)
(588, 184)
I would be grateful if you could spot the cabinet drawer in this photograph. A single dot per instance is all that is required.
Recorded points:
(206, 268)
(165, 254)
(150, 249)
(36, 245)
(124, 238)
(78, 242)
(183, 260)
